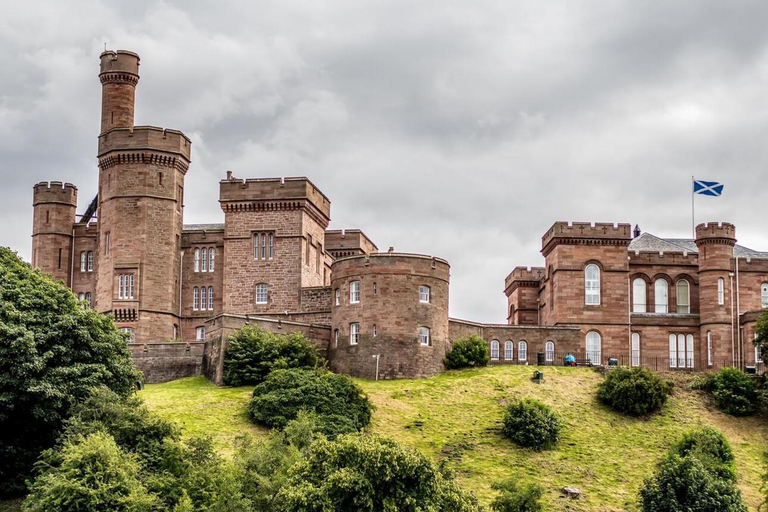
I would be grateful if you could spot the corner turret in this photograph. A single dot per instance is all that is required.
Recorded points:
(119, 76)
(54, 206)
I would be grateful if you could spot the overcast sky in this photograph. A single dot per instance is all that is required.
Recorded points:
(457, 129)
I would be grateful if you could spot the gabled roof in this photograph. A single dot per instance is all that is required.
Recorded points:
(647, 242)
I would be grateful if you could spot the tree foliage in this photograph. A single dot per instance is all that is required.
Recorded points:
(253, 353)
(339, 404)
(517, 497)
(761, 334)
(635, 391)
(532, 424)
(735, 392)
(711, 448)
(470, 351)
(52, 352)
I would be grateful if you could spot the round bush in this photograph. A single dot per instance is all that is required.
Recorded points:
(467, 352)
(253, 353)
(339, 403)
(517, 497)
(531, 424)
(635, 391)
(711, 448)
(735, 392)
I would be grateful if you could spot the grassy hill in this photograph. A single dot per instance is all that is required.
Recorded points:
(456, 417)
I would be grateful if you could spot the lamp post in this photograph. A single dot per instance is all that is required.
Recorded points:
(377, 356)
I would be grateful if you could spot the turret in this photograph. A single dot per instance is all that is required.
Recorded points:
(54, 206)
(119, 76)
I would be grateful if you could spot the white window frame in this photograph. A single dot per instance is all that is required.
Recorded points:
(88, 298)
(204, 259)
(335, 338)
(635, 359)
(710, 349)
(203, 298)
(592, 285)
(721, 292)
(549, 351)
(639, 295)
(211, 258)
(683, 291)
(681, 350)
(338, 296)
(131, 333)
(271, 246)
(200, 334)
(661, 296)
(758, 354)
(494, 350)
(594, 347)
(354, 292)
(81, 296)
(764, 296)
(126, 286)
(424, 336)
(195, 298)
(509, 350)
(90, 261)
(83, 259)
(197, 259)
(522, 351)
(210, 298)
(354, 333)
(424, 294)
(262, 293)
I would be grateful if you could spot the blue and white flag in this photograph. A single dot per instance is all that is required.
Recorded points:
(707, 188)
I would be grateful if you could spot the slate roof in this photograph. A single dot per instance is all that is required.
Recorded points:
(203, 227)
(647, 242)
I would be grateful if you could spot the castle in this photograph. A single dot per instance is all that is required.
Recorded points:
(179, 290)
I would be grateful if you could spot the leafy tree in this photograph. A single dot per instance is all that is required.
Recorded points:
(93, 474)
(357, 473)
(517, 497)
(761, 334)
(52, 352)
(635, 391)
(711, 448)
(735, 392)
(531, 424)
(253, 353)
(340, 405)
(469, 351)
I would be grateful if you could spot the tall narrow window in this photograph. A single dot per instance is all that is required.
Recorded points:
(592, 285)
(594, 347)
(204, 260)
(494, 350)
(683, 297)
(522, 351)
(681, 350)
(354, 334)
(509, 354)
(661, 294)
(639, 296)
(549, 351)
(203, 298)
(88, 299)
(337, 294)
(211, 257)
(318, 257)
(200, 334)
(375, 290)
(424, 294)
(635, 349)
(709, 349)
(197, 260)
(90, 261)
(374, 331)
(354, 292)
(60, 258)
(758, 354)
(264, 246)
(720, 291)
(271, 245)
(106, 243)
(689, 350)
(83, 261)
(210, 298)
(262, 293)
(309, 248)
(424, 336)
(672, 351)
(335, 338)
(764, 295)
(125, 286)
(195, 298)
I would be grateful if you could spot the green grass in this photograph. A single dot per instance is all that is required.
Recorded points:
(456, 417)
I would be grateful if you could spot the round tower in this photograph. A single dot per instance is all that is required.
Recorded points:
(54, 207)
(119, 76)
(715, 243)
(391, 309)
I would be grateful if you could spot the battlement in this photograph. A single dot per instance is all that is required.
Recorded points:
(55, 192)
(115, 64)
(145, 137)
(233, 190)
(350, 241)
(524, 274)
(716, 232)
(597, 233)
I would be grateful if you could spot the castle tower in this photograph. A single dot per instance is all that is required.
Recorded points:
(715, 242)
(54, 206)
(141, 193)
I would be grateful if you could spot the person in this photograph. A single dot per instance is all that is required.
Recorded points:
(570, 360)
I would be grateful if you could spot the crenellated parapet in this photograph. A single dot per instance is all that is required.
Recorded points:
(55, 192)
(586, 233)
(135, 144)
(523, 276)
(717, 233)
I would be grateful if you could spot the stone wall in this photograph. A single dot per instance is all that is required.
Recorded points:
(162, 362)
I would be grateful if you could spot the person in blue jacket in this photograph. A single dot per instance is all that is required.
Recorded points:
(570, 360)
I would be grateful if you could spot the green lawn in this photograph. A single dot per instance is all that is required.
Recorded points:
(456, 417)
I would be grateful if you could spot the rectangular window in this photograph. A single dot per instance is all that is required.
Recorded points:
(271, 245)
(90, 261)
(210, 298)
(203, 298)
(197, 260)
(204, 260)
(83, 257)
(125, 286)
(196, 298)
(263, 246)
(309, 247)
(338, 297)
(721, 291)
(262, 293)
(354, 292)
(180, 198)
(59, 258)
(709, 348)
(683, 297)
(635, 349)
(424, 294)
(335, 338)
(106, 243)
(354, 334)
(374, 330)
(211, 256)
(375, 291)
(424, 335)
(319, 258)
(200, 334)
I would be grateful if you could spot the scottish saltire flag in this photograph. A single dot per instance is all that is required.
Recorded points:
(707, 188)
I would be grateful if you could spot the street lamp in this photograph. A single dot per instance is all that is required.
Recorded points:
(377, 356)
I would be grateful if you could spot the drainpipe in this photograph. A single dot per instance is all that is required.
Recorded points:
(733, 320)
(181, 282)
(738, 314)
(72, 261)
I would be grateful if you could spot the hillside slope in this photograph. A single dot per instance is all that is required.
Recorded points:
(456, 417)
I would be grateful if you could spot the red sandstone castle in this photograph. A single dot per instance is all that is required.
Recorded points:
(179, 290)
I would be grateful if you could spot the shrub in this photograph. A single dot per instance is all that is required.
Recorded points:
(253, 353)
(531, 424)
(634, 391)
(735, 392)
(52, 352)
(339, 404)
(467, 352)
(711, 448)
(517, 497)
(357, 473)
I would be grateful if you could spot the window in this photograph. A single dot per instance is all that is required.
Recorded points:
(203, 298)
(83, 259)
(424, 336)
(195, 298)
(375, 290)
(263, 246)
(354, 334)
(681, 350)
(318, 257)
(592, 285)
(508, 350)
(262, 293)
(211, 256)
(204, 260)
(60, 258)
(180, 197)
(639, 295)
(683, 297)
(106, 243)
(522, 351)
(197, 260)
(764, 295)
(495, 350)
(720, 291)
(354, 292)
(90, 261)
(424, 294)
(758, 354)
(80, 296)
(175, 331)
(661, 294)
(125, 286)
(271, 246)
(335, 338)
(200, 334)
(594, 347)
(337, 292)
(549, 351)
(635, 349)
(309, 249)
(374, 330)
(88, 299)
(210, 298)
(709, 348)
(130, 332)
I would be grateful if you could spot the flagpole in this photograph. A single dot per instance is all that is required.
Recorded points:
(693, 196)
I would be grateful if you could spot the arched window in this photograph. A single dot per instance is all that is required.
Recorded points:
(200, 334)
(764, 295)
(211, 258)
(661, 294)
(354, 292)
(424, 336)
(549, 351)
(335, 338)
(197, 260)
(424, 293)
(683, 297)
(204, 260)
(195, 298)
(681, 350)
(508, 350)
(635, 349)
(131, 333)
(709, 348)
(337, 293)
(262, 293)
(83, 260)
(354, 334)
(494, 350)
(203, 298)
(639, 296)
(210, 298)
(88, 299)
(689, 350)
(90, 261)
(592, 285)
(80, 296)
(594, 347)
(720, 291)
(522, 351)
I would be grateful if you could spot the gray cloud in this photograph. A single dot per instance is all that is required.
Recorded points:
(456, 129)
